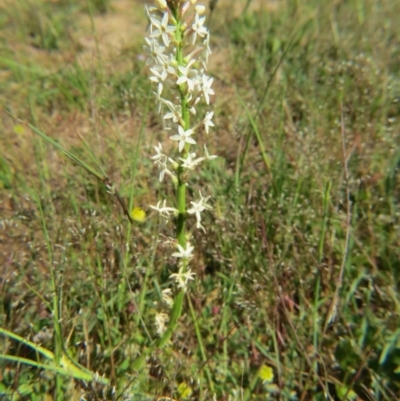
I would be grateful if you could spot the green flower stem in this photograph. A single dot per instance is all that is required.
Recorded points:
(176, 313)
(181, 220)
(181, 190)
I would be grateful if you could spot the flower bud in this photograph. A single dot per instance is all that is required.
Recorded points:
(161, 4)
(185, 7)
(200, 9)
(175, 165)
(173, 62)
(175, 180)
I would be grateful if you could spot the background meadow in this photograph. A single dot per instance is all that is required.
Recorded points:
(297, 279)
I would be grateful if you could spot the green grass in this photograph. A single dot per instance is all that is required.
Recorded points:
(278, 236)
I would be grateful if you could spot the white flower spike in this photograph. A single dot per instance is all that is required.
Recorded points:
(178, 45)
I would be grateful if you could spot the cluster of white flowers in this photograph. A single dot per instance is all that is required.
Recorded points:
(178, 49)
(186, 72)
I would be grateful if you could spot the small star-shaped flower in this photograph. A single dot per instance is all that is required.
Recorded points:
(162, 29)
(206, 87)
(183, 137)
(199, 207)
(184, 253)
(207, 121)
(198, 28)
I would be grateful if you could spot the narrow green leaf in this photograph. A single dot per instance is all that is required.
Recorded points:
(68, 366)
(265, 156)
(45, 352)
(74, 158)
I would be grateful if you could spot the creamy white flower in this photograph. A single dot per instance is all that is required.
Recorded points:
(162, 165)
(175, 113)
(164, 65)
(183, 137)
(159, 154)
(159, 100)
(182, 277)
(154, 50)
(184, 253)
(198, 84)
(206, 51)
(206, 87)
(149, 11)
(166, 296)
(193, 104)
(157, 78)
(199, 207)
(207, 121)
(208, 157)
(160, 320)
(160, 159)
(163, 210)
(184, 77)
(162, 29)
(198, 28)
(190, 162)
